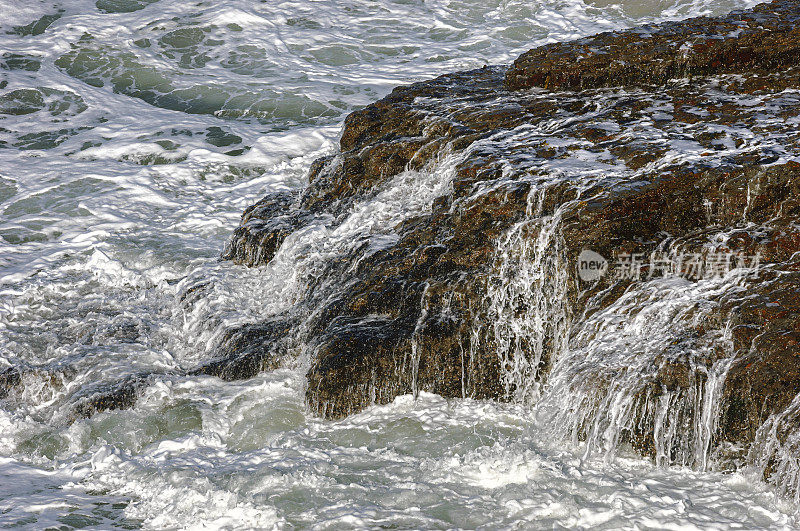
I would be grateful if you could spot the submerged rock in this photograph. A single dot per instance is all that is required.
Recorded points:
(248, 350)
(10, 378)
(107, 397)
(473, 289)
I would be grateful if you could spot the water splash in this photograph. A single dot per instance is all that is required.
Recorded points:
(527, 299)
(415, 339)
(775, 452)
(646, 371)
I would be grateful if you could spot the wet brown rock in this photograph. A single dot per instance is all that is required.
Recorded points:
(765, 39)
(765, 376)
(360, 362)
(691, 167)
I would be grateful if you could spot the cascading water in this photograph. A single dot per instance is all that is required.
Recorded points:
(638, 372)
(527, 300)
(306, 255)
(775, 450)
(636, 368)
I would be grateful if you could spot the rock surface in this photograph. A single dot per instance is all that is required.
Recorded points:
(693, 152)
(763, 40)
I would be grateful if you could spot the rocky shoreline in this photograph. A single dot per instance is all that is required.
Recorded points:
(699, 120)
(653, 144)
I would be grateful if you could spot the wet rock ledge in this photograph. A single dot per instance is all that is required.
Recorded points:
(679, 139)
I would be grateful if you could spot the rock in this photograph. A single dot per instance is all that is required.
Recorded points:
(358, 363)
(765, 376)
(107, 397)
(765, 39)
(10, 378)
(247, 350)
(691, 168)
(68, 401)
(264, 227)
(15, 378)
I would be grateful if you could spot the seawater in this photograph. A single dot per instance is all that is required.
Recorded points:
(132, 135)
